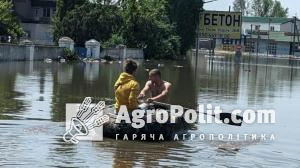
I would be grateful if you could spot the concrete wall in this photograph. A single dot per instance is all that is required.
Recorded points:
(10, 52)
(135, 53)
(42, 52)
(118, 53)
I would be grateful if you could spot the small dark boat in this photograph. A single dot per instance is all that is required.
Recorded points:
(151, 131)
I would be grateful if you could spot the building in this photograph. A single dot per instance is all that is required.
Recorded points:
(35, 16)
(264, 35)
(262, 23)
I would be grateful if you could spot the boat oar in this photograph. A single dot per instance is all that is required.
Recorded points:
(226, 118)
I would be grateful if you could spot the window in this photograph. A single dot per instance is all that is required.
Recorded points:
(249, 46)
(237, 42)
(272, 48)
(272, 28)
(36, 12)
(257, 27)
(227, 41)
(46, 12)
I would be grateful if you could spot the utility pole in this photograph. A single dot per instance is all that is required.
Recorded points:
(294, 35)
(251, 46)
(257, 43)
(242, 7)
(197, 38)
(197, 31)
(268, 38)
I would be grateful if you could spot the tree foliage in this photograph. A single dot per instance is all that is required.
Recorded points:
(239, 5)
(278, 10)
(62, 9)
(269, 8)
(147, 26)
(184, 15)
(163, 28)
(262, 8)
(9, 24)
(243, 6)
(88, 21)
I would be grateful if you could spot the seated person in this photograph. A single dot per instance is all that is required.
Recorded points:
(158, 88)
(127, 88)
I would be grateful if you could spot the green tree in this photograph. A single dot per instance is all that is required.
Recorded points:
(184, 15)
(243, 6)
(239, 6)
(257, 7)
(278, 10)
(262, 7)
(147, 26)
(87, 21)
(62, 8)
(115, 40)
(269, 8)
(9, 24)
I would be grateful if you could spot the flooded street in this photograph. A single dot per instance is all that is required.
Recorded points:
(32, 114)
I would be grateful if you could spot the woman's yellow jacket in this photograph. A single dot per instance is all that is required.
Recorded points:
(126, 92)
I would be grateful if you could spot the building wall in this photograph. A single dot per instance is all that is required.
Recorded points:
(23, 9)
(283, 48)
(38, 33)
(34, 21)
(289, 27)
(38, 14)
(28, 13)
(262, 46)
(263, 26)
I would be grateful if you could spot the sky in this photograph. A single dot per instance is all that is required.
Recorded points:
(293, 5)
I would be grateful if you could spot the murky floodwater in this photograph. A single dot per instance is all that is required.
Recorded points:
(33, 97)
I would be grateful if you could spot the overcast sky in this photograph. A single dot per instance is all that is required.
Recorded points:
(293, 5)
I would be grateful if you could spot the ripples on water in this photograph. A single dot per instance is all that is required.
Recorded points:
(33, 97)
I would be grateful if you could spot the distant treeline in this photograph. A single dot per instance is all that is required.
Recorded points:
(262, 8)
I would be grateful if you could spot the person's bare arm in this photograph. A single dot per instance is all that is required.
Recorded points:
(145, 89)
(163, 94)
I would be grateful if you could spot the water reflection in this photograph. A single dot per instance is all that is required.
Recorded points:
(8, 103)
(33, 94)
(141, 154)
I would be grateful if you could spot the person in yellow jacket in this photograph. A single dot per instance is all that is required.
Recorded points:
(127, 88)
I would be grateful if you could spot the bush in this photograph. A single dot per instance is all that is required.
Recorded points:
(115, 40)
(70, 55)
(108, 58)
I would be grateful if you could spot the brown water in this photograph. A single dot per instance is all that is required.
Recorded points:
(33, 97)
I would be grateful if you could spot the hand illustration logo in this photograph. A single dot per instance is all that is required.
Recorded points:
(80, 124)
